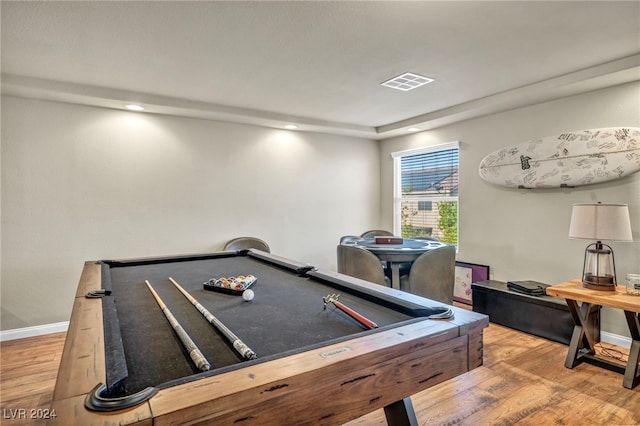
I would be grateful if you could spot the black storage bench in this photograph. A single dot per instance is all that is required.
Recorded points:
(543, 316)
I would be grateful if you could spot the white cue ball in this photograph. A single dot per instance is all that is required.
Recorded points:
(248, 295)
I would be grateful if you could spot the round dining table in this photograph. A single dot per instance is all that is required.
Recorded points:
(396, 254)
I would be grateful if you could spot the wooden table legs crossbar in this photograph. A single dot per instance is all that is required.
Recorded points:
(585, 337)
(631, 378)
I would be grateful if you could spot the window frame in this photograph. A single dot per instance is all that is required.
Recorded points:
(397, 183)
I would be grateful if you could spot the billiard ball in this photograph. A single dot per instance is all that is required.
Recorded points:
(247, 295)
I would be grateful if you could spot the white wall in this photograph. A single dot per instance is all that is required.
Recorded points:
(81, 183)
(522, 234)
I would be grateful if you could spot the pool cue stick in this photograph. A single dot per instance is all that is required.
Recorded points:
(333, 298)
(196, 356)
(244, 350)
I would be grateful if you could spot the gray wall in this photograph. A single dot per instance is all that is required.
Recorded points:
(523, 234)
(82, 183)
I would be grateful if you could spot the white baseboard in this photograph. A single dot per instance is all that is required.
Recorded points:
(615, 339)
(38, 330)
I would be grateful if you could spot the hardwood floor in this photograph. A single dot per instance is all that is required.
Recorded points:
(523, 381)
(28, 370)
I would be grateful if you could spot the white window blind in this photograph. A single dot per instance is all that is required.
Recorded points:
(427, 177)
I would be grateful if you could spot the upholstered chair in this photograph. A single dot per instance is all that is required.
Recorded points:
(242, 243)
(360, 263)
(432, 275)
(375, 232)
(423, 237)
(348, 238)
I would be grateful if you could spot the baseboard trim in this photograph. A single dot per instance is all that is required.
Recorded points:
(38, 330)
(615, 339)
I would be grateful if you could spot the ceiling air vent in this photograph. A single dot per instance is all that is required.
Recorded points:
(407, 81)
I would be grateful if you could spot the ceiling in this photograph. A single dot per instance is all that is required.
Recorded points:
(318, 64)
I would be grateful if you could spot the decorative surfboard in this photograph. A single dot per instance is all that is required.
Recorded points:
(566, 160)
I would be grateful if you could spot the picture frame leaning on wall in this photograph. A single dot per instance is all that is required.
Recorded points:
(466, 274)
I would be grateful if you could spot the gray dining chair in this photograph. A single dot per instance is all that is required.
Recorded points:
(360, 263)
(405, 267)
(375, 232)
(243, 243)
(432, 275)
(349, 238)
(427, 238)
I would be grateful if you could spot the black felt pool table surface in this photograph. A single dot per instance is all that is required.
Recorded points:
(287, 315)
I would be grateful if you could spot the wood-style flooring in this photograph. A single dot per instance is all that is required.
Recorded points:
(523, 381)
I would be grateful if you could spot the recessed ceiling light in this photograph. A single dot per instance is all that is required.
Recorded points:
(134, 107)
(412, 129)
(407, 81)
(290, 127)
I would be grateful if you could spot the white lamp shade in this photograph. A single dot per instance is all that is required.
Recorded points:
(600, 222)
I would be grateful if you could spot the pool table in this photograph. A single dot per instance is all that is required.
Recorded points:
(123, 364)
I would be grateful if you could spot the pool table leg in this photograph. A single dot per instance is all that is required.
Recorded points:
(401, 413)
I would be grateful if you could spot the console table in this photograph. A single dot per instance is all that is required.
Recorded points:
(581, 347)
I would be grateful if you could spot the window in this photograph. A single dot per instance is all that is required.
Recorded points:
(425, 205)
(426, 192)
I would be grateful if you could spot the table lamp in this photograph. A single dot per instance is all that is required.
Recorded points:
(600, 222)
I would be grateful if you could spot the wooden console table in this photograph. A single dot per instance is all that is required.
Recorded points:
(581, 347)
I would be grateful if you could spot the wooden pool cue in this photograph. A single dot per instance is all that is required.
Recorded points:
(244, 350)
(196, 356)
(333, 298)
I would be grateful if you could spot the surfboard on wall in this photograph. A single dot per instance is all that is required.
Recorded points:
(566, 160)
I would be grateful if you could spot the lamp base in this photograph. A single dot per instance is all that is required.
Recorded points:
(595, 282)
